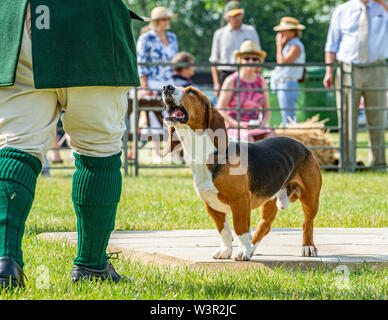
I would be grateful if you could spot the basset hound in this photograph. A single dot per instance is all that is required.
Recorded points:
(239, 177)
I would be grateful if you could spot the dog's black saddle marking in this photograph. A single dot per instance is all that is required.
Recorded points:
(271, 162)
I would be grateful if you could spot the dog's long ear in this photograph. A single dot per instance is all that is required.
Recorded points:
(172, 142)
(216, 128)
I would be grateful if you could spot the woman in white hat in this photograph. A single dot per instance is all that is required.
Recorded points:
(258, 98)
(289, 49)
(157, 45)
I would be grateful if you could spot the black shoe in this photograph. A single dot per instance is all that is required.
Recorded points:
(11, 274)
(109, 273)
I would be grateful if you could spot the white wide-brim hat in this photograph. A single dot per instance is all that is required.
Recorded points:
(160, 13)
(289, 23)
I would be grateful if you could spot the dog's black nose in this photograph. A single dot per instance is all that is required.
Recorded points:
(168, 88)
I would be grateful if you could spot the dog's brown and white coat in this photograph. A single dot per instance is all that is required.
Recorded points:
(267, 174)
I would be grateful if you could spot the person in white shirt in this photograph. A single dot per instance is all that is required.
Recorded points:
(289, 49)
(227, 40)
(358, 35)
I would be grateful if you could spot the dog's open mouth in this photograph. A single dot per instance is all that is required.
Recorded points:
(177, 114)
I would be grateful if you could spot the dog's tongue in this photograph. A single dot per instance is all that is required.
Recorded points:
(177, 113)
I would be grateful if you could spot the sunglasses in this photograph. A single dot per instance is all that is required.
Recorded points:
(253, 59)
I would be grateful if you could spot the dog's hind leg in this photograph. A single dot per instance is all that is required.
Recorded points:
(267, 215)
(310, 208)
(221, 220)
(309, 198)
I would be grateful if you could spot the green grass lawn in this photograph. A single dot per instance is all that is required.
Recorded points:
(165, 199)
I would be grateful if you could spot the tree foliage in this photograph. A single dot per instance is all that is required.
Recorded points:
(199, 19)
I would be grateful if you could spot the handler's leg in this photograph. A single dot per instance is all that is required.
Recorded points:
(94, 121)
(376, 77)
(349, 112)
(27, 125)
(287, 100)
(18, 173)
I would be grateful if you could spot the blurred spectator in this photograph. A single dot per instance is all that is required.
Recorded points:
(156, 45)
(358, 34)
(182, 75)
(46, 167)
(227, 40)
(249, 53)
(153, 46)
(289, 49)
(55, 152)
(55, 156)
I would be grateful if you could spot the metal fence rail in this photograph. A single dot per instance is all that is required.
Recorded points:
(346, 163)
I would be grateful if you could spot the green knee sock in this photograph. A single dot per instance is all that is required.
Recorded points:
(18, 174)
(96, 193)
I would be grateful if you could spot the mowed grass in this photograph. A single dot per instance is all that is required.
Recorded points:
(165, 199)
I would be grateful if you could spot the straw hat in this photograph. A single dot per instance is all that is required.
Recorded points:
(250, 47)
(233, 8)
(289, 23)
(160, 13)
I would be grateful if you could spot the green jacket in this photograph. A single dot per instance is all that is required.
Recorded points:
(78, 43)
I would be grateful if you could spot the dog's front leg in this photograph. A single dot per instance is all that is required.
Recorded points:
(241, 210)
(221, 220)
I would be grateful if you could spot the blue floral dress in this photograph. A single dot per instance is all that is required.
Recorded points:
(150, 49)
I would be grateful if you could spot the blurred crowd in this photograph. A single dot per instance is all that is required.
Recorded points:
(358, 35)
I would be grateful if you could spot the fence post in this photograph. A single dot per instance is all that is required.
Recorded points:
(352, 127)
(238, 103)
(136, 132)
(340, 112)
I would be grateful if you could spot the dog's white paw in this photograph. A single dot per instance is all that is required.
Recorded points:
(223, 253)
(243, 254)
(245, 250)
(309, 251)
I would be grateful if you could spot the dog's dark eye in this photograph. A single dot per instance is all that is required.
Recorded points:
(191, 91)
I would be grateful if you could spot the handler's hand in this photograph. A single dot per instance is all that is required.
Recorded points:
(243, 125)
(148, 94)
(216, 88)
(262, 124)
(328, 82)
(280, 40)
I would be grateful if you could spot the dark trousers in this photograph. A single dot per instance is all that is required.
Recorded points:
(223, 74)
